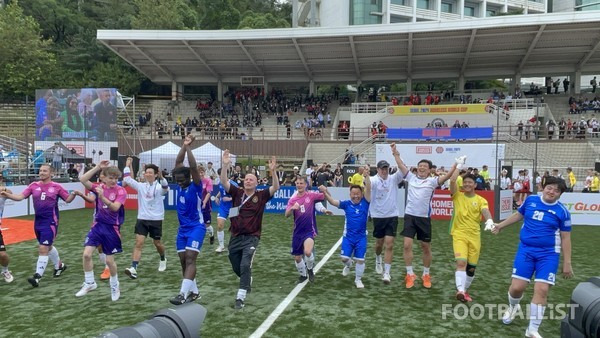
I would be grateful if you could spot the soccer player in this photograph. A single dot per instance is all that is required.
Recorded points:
(151, 213)
(357, 178)
(417, 221)
(302, 206)
(106, 229)
(223, 200)
(545, 231)
(465, 231)
(191, 228)
(4, 258)
(205, 205)
(354, 243)
(45, 194)
(248, 206)
(384, 212)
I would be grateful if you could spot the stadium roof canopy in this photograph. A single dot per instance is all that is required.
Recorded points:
(529, 45)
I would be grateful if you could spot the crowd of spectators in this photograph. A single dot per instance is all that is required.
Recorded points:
(583, 104)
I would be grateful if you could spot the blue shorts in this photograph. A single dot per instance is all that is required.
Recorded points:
(190, 238)
(298, 243)
(541, 261)
(224, 210)
(354, 247)
(105, 235)
(46, 234)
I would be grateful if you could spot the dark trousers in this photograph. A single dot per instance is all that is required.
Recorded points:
(241, 253)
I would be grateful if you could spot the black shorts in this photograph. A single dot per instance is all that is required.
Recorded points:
(145, 227)
(385, 226)
(2, 246)
(421, 226)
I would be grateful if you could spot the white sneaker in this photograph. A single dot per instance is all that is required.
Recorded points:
(359, 284)
(8, 277)
(386, 278)
(510, 314)
(532, 334)
(132, 273)
(220, 249)
(378, 267)
(162, 265)
(85, 288)
(115, 292)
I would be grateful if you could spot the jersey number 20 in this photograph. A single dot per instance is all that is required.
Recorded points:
(538, 215)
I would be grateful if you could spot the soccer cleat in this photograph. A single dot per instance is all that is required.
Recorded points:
(426, 281)
(115, 292)
(386, 278)
(510, 314)
(302, 279)
(85, 288)
(311, 275)
(131, 272)
(346, 270)
(410, 280)
(359, 284)
(180, 299)
(211, 240)
(162, 265)
(193, 296)
(35, 280)
(239, 304)
(58, 272)
(220, 249)
(468, 297)
(378, 267)
(105, 274)
(532, 334)
(8, 277)
(460, 296)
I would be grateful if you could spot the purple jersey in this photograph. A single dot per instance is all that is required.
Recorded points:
(45, 201)
(305, 220)
(103, 214)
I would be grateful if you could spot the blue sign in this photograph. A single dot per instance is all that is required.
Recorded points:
(485, 133)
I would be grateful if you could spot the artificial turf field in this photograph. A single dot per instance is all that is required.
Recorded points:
(331, 307)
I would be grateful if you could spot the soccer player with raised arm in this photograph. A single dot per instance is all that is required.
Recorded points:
(248, 206)
(4, 258)
(384, 212)
(354, 242)
(151, 213)
(223, 200)
(191, 226)
(546, 230)
(45, 195)
(106, 228)
(465, 230)
(205, 204)
(302, 206)
(417, 215)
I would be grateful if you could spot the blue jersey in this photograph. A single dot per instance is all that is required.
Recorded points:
(187, 205)
(225, 193)
(356, 218)
(543, 222)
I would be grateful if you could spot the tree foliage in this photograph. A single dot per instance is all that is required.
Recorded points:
(164, 14)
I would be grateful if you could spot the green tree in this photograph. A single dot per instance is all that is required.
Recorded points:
(164, 14)
(219, 14)
(113, 74)
(253, 20)
(25, 60)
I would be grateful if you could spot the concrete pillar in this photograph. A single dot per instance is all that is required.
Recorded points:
(220, 91)
(576, 82)
(408, 85)
(461, 8)
(295, 13)
(516, 80)
(505, 6)
(439, 9)
(266, 87)
(311, 88)
(174, 94)
(461, 84)
(484, 9)
(414, 10)
(313, 13)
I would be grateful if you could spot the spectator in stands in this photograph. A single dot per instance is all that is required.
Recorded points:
(456, 124)
(505, 182)
(569, 129)
(562, 126)
(571, 180)
(73, 121)
(549, 85)
(556, 84)
(517, 187)
(328, 118)
(565, 84)
(520, 130)
(338, 176)
(594, 84)
(486, 176)
(479, 180)
(550, 126)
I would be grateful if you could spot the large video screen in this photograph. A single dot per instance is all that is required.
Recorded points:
(76, 114)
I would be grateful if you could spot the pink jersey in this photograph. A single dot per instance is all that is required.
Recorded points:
(103, 214)
(305, 219)
(45, 201)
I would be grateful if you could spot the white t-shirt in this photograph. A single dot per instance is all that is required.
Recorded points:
(150, 197)
(384, 195)
(504, 182)
(420, 193)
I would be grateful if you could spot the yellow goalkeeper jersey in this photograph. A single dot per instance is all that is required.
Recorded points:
(466, 215)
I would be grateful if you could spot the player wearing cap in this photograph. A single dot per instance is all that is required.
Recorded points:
(384, 212)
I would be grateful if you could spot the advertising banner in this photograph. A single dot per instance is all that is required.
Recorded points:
(438, 109)
(584, 208)
(440, 133)
(505, 205)
(442, 206)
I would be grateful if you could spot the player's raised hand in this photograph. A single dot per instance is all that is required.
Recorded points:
(273, 163)
(189, 139)
(104, 164)
(394, 150)
(225, 159)
(460, 161)
(129, 161)
(567, 271)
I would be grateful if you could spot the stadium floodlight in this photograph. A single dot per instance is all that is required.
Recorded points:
(181, 322)
(584, 321)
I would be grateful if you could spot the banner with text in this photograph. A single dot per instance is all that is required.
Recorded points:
(484, 133)
(438, 109)
(584, 208)
(442, 205)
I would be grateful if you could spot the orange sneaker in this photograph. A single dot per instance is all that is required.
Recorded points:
(105, 274)
(410, 280)
(426, 281)
(468, 297)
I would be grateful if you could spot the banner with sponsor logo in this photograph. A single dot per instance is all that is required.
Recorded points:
(484, 133)
(584, 208)
(444, 154)
(438, 109)
(442, 205)
(505, 208)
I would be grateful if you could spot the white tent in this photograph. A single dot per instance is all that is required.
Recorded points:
(210, 153)
(163, 156)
